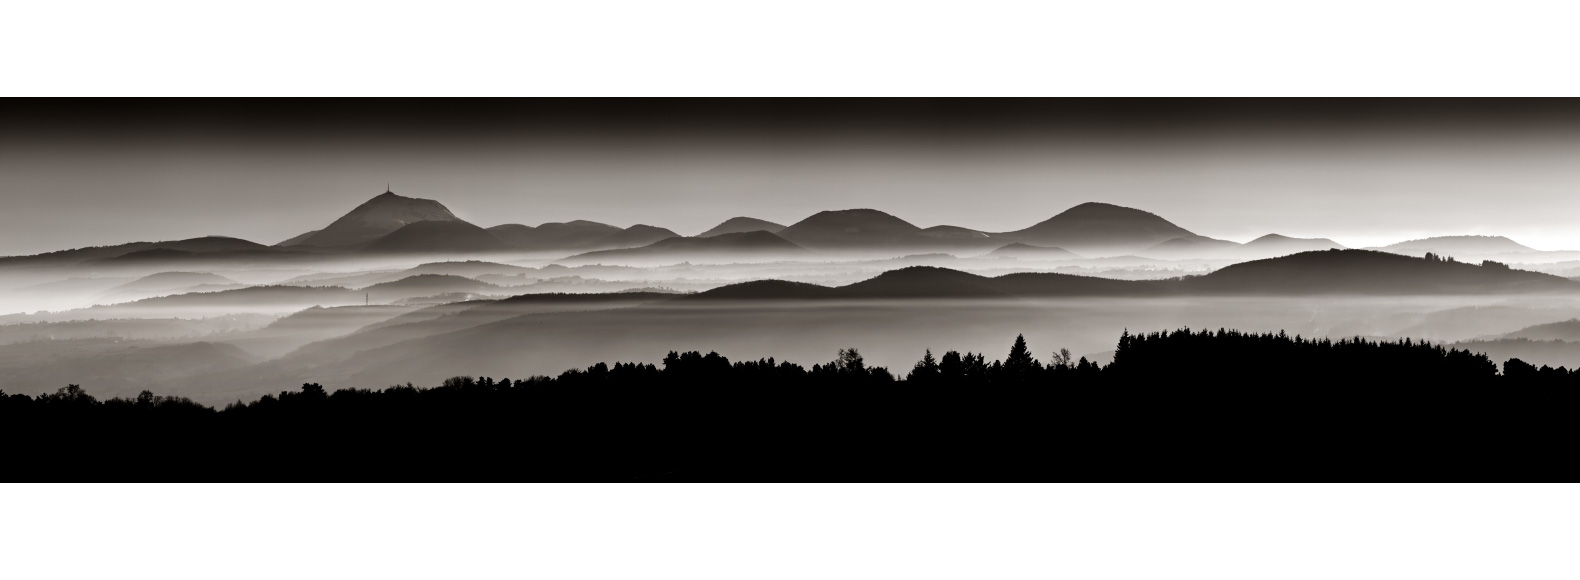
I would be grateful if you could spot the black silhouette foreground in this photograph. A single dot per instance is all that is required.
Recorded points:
(1172, 405)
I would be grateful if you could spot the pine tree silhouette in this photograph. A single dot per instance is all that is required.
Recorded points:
(1019, 366)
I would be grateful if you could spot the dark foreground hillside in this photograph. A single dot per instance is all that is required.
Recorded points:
(1176, 405)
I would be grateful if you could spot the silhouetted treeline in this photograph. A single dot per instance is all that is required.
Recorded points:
(1171, 405)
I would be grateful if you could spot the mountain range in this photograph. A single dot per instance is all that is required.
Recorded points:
(391, 224)
(1268, 246)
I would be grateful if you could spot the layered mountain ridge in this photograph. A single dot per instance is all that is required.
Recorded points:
(391, 224)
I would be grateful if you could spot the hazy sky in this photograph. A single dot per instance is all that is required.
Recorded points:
(91, 173)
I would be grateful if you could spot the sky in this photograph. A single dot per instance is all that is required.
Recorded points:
(79, 173)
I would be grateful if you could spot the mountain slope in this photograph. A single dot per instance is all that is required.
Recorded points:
(195, 304)
(1567, 330)
(377, 217)
(170, 280)
(436, 237)
(110, 367)
(633, 237)
(298, 239)
(310, 325)
(952, 233)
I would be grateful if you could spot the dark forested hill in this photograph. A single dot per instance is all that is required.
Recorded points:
(1191, 404)
(1369, 272)
(924, 282)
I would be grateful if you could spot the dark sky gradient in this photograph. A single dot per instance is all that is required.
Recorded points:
(84, 172)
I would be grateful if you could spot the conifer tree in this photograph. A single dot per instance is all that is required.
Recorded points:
(1019, 366)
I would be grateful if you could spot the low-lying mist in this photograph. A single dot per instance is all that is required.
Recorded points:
(239, 330)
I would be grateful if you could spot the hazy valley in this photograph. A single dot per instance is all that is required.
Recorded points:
(400, 290)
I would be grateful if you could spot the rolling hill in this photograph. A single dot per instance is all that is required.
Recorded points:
(924, 282)
(764, 290)
(254, 299)
(1030, 252)
(1333, 272)
(468, 268)
(750, 246)
(427, 285)
(1192, 247)
(1274, 245)
(1566, 330)
(553, 236)
(216, 245)
(934, 282)
(1458, 245)
(171, 280)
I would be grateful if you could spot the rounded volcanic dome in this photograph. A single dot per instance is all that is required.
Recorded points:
(742, 224)
(852, 221)
(1099, 210)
